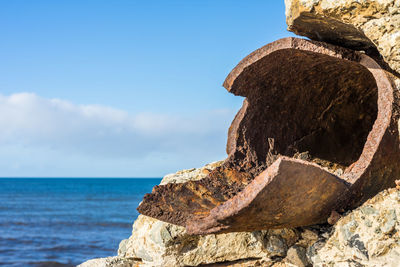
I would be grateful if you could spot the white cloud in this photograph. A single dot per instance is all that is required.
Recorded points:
(53, 137)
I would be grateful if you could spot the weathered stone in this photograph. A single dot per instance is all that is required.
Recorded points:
(276, 246)
(181, 249)
(194, 174)
(312, 251)
(377, 244)
(111, 262)
(308, 237)
(122, 246)
(365, 24)
(245, 263)
(389, 220)
(297, 256)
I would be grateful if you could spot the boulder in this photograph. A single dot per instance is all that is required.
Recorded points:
(110, 262)
(369, 25)
(367, 236)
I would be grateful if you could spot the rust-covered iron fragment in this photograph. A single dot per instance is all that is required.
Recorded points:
(178, 203)
(318, 132)
(279, 197)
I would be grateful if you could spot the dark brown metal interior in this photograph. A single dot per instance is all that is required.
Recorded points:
(302, 101)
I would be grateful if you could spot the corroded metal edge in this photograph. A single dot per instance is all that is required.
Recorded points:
(287, 43)
(290, 193)
(386, 124)
(378, 166)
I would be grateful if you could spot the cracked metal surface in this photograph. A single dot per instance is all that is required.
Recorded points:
(318, 131)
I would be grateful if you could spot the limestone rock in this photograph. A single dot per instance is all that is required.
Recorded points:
(297, 256)
(110, 262)
(367, 236)
(158, 243)
(190, 174)
(357, 24)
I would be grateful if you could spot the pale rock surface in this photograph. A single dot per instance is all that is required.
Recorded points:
(162, 244)
(357, 24)
(296, 255)
(110, 262)
(190, 174)
(367, 236)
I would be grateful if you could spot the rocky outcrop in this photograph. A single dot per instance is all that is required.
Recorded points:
(158, 243)
(367, 236)
(371, 25)
(111, 262)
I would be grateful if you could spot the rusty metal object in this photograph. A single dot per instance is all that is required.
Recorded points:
(177, 203)
(279, 197)
(318, 132)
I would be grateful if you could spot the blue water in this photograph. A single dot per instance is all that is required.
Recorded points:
(65, 221)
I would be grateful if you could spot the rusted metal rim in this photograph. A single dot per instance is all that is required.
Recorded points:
(277, 198)
(318, 132)
(381, 124)
(383, 83)
(344, 191)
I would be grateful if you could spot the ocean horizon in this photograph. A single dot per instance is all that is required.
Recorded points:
(77, 177)
(64, 221)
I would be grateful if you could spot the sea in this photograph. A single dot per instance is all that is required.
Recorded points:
(59, 222)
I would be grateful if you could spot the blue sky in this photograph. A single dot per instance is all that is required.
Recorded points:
(122, 88)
